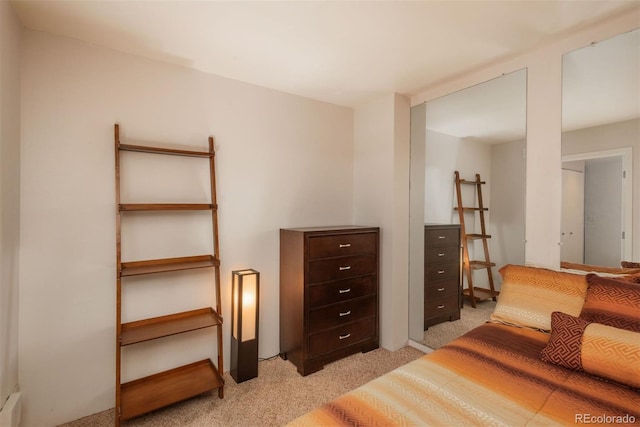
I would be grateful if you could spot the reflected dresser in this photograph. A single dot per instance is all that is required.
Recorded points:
(328, 294)
(442, 273)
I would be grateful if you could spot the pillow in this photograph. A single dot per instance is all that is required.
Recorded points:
(612, 302)
(633, 278)
(612, 271)
(530, 294)
(629, 264)
(594, 348)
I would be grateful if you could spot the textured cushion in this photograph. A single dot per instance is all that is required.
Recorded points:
(629, 264)
(529, 295)
(612, 302)
(594, 348)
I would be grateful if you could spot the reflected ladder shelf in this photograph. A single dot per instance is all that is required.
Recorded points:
(474, 293)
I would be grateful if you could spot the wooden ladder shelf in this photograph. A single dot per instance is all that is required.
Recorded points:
(474, 293)
(146, 394)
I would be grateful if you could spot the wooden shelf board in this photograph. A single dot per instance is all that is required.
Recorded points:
(481, 294)
(479, 265)
(455, 208)
(468, 181)
(478, 236)
(166, 207)
(136, 268)
(163, 326)
(159, 150)
(165, 388)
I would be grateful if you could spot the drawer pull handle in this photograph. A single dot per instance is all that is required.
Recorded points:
(344, 245)
(344, 337)
(347, 267)
(440, 289)
(440, 271)
(441, 254)
(442, 237)
(441, 306)
(345, 313)
(344, 291)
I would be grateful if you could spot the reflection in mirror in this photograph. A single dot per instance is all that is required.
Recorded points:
(600, 147)
(478, 130)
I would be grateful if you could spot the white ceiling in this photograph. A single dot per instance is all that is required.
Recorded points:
(343, 52)
(600, 85)
(491, 112)
(601, 82)
(348, 52)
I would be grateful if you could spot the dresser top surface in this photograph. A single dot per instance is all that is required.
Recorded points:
(432, 225)
(332, 228)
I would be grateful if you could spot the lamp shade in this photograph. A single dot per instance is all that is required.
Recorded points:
(244, 324)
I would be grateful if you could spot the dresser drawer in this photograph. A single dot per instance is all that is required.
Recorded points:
(339, 314)
(442, 271)
(341, 336)
(343, 244)
(341, 290)
(442, 254)
(439, 306)
(442, 237)
(342, 268)
(442, 288)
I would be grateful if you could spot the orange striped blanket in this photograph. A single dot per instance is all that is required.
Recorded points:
(493, 375)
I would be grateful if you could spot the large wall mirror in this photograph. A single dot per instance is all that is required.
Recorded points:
(478, 130)
(601, 152)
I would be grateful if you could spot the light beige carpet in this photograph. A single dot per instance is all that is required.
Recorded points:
(278, 395)
(438, 335)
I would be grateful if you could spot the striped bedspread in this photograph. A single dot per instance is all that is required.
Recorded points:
(493, 375)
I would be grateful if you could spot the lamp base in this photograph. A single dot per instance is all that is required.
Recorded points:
(244, 360)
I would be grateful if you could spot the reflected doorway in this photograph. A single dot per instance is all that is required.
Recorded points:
(597, 207)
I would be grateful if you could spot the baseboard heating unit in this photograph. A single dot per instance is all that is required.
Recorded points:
(11, 411)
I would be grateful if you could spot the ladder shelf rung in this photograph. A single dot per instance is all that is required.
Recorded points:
(156, 391)
(464, 208)
(480, 294)
(479, 265)
(167, 151)
(136, 268)
(172, 324)
(128, 207)
(478, 236)
(468, 181)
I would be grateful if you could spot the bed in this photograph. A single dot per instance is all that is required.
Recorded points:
(560, 349)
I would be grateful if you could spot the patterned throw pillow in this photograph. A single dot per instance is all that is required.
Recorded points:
(564, 344)
(529, 295)
(597, 349)
(629, 264)
(612, 302)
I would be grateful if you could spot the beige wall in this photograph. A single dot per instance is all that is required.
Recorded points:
(283, 161)
(9, 198)
(381, 197)
(507, 209)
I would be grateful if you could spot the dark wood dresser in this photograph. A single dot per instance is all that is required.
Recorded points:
(328, 294)
(442, 278)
